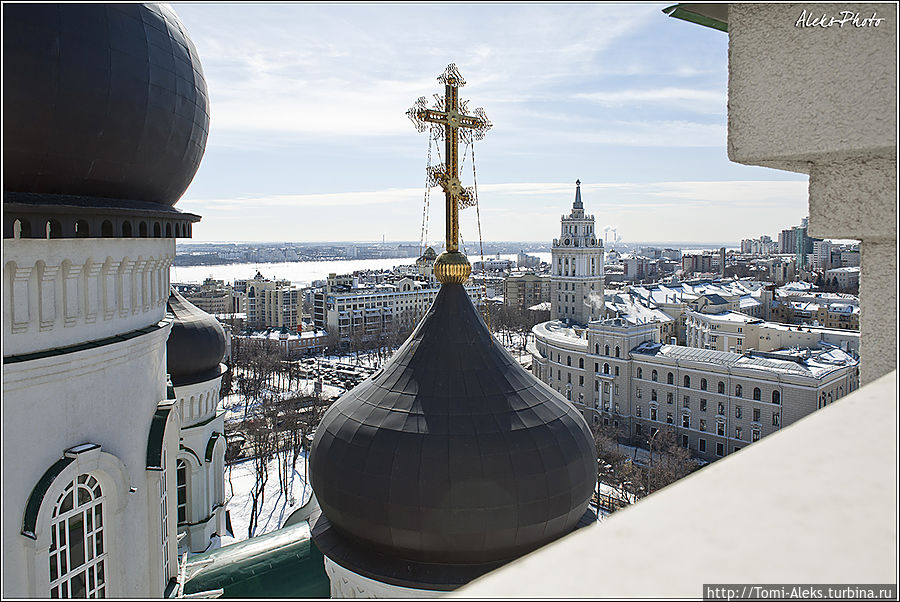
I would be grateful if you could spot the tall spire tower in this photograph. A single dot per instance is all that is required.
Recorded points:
(576, 282)
(451, 460)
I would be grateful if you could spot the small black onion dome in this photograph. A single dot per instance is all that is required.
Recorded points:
(452, 453)
(196, 343)
(101, 100)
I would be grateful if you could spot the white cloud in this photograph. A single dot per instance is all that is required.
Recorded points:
(702, 101)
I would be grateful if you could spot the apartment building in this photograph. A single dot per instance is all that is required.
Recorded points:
(269, 303)
(618, 373)
(526, 289)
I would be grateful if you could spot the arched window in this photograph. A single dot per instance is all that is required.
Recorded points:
(157, 230)
(640, 373)
(53, 229)
(653, 376)
(617, 351)
(142, 229)
(605, 368)
(776, 397)
(687, 381)
(738, 391)
(168, 230)
(126, 230)
(22, 228)
(757, 394)
(82, 229)
(597, 349)
(721, 388)
(606, 351)
(181, 486)
(703, 384)
(670, 379)
(581, 362)
(106, 229)
(77, 544)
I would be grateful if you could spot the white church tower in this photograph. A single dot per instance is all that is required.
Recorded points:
(576, 284)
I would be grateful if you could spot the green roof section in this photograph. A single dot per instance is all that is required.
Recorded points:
(281, 564)
(707, 15)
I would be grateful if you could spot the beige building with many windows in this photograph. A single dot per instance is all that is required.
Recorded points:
(618, 373)
(524, 290)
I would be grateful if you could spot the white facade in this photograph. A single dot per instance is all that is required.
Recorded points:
(84, 397)
(576, 285)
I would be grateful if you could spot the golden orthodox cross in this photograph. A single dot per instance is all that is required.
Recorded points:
(452, 117)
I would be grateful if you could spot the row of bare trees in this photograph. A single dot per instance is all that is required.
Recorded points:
(631, 477)
(278, 415)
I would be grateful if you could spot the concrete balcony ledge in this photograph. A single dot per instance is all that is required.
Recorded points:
(813, 503)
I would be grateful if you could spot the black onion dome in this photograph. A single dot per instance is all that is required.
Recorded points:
(101, 100)
(452, 453)
(196, 343)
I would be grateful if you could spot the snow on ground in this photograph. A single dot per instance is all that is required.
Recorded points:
(276, 506)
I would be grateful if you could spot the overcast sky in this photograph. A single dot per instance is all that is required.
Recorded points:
(309, 139)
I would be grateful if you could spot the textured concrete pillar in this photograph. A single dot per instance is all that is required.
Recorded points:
(856, 198)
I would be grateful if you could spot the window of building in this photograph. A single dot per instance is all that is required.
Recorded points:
(617, 389)
(637, 430)
(702, 405)
(669, 398)
(558, 375)
(606, 388)
(652, 413)
(670, 379)
(669, 418)
(703, 384)
(720, 449)
(640, 373)
(701, 444)
(605, 368)
(737, 432)
(738, 411)
(776, 419)
(606, 350)
(581, 381)
(637, 392)
(652, 394)
(637, 411)
(596, 367)
(754, 435)
(164, 521)
(776, 397)
(597, 349)
(687, 381)
(738, 391)
(77, 548)
(684, 441)
(181, 469)
(617, 351)
(686, 421)
(721, 388)
(581, 362)
(569, 377)
(653, 376)
(616, 407)
(702, 424)
(568, 360)
(757, 394)
(617, 371)
(686, 402)
(720, 429)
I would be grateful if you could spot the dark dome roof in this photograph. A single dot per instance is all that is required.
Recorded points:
(101, 100)
(452, 453)
(196, 343)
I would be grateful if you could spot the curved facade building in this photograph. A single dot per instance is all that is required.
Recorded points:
(105, 113)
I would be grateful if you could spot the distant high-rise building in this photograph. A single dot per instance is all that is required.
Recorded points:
(576, 285)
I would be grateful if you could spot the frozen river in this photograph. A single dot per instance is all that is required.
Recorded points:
(301, 273)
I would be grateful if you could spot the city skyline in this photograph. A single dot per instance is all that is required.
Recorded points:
(308, 123)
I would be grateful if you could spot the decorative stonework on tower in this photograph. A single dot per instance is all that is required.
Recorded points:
(576, 285)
